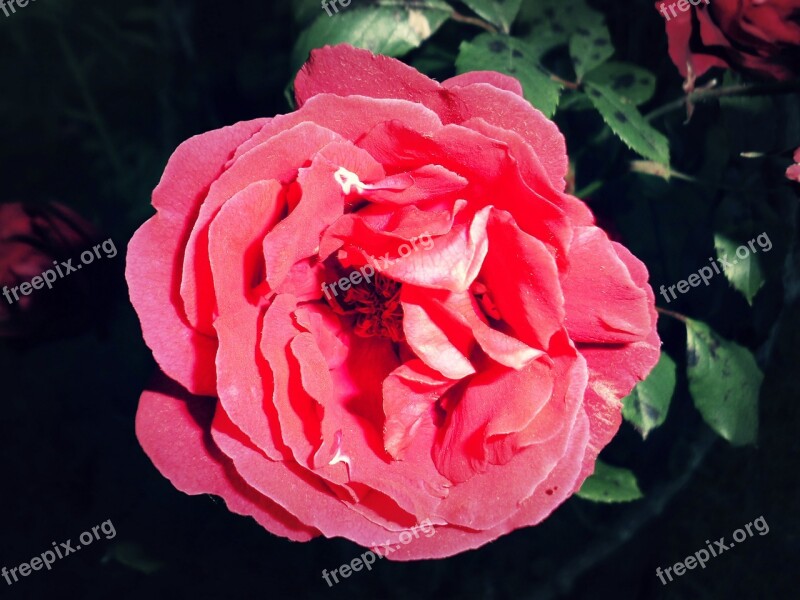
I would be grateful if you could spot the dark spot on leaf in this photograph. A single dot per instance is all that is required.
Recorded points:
(620, 117)
(558, 28)
(623, 81)
(594, 93)
(512, 69)
(652, 413)
(497, 46)
(595, 56)
(576, 60)
(549, 13)
(517, 54)
(600, 42)
(691, 357)
(644, 82)
(582, 31)
(713, 345)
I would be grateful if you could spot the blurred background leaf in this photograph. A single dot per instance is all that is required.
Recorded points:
(724, 380)
(647, 405)
(498, 12)
(496, 52)
(610, 484)
(390, 27)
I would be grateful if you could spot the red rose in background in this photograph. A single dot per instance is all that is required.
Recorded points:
(31, 238)
(471, 381)
(758, 36)
(793, 172)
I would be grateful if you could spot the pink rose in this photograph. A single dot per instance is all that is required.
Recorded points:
(470, 380)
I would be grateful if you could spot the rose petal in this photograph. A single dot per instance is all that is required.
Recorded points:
(155, 252)
(603, 304)
(172, 426)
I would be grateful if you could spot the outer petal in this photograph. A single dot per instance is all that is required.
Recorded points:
(173, 428)
(507, 110)
(603, 303)
(498, 80)
(614, 370)
(156, 251)
(559, 485)
(347, 71)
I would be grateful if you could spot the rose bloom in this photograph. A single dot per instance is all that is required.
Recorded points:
(31, 238)
(470, 383)
(756, 36)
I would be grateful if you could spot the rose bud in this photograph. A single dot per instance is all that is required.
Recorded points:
(42, 292)
(382, 310)
(753, 36)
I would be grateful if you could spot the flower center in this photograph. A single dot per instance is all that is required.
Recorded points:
(375, 308)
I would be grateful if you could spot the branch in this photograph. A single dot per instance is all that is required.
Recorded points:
(704, 95)
(457, 16)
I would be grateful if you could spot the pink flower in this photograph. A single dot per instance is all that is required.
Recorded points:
(471, 381)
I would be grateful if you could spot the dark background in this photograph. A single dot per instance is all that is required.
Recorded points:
(95, 97)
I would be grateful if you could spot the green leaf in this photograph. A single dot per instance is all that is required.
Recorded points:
(554, 23)
(632, 83)
(590, 42)
(134, 557)
(390, 27)
(434, 61)
(496, 52)
(610, 484)
(647, 405)
(575, 100)
(724, 381)
(628, 124)
(744, 274)
(498, 12)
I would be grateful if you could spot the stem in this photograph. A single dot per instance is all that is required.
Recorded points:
(734, 90)
(673, 314)
(457, 16)
(567, 84)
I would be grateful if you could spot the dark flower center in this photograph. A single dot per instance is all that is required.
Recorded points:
(375, 308)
